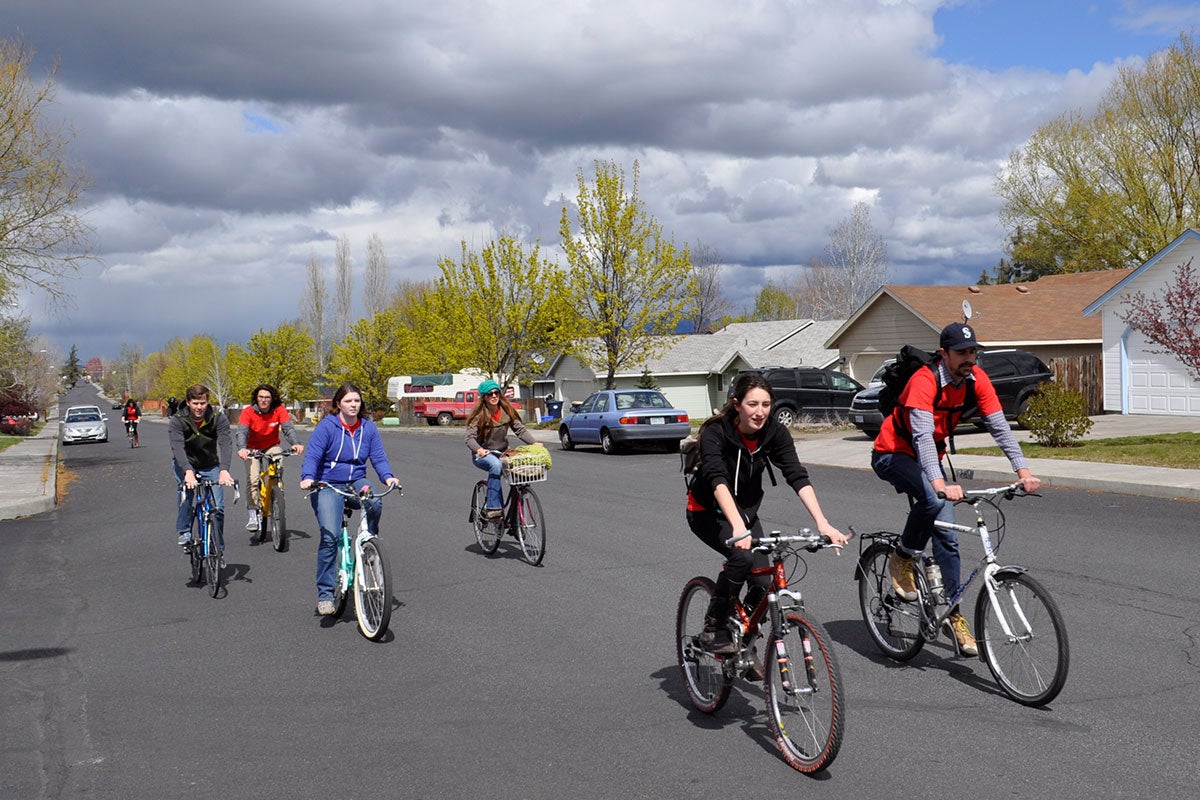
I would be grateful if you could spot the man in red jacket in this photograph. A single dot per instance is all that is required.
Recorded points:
(908, 454)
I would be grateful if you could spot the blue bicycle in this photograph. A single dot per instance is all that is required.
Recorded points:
(204, 551)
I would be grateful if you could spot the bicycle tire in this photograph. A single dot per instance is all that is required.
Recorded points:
(531, 526)
(197, 563)
(372, 590)
(705, 678)
(1031, 669)
(212, 561)
(278, 519)
(894, 624)
(487, 532)
(805, 706)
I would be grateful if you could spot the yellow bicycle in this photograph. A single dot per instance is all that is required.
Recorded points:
(272, 512)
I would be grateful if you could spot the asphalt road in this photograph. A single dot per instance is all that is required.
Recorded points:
(508, 681)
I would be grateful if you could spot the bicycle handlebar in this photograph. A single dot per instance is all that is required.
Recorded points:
(812, 542)
(204, 482)
(369, 494)
(973, 496)
(260, 453)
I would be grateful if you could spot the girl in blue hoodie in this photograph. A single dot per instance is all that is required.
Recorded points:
(337, 453)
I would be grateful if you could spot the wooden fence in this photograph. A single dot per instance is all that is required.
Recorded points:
(1084, 375)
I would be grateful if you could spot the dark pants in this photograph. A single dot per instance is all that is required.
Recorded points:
(905, 473)
(713, 529)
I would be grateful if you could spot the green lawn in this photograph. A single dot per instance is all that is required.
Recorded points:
(1180, 450)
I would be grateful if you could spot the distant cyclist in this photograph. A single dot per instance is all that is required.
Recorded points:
(131, 414)
(338, 451)
(488, 425)
(259, 428)
(201, 448)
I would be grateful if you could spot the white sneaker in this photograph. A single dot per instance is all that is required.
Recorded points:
(252, 521)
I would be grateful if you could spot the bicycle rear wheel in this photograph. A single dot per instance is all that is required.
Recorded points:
(487, 532)
(704, 674)
(278, 520)
(373, 590)
(894, 625)
(1031, 665)
(805, 707)
(531, 526)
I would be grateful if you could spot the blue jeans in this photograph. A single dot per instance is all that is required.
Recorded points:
(187, 511)
(494, 467)
(328, 506)
(904, 472)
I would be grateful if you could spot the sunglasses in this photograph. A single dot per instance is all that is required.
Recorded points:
(493, 393)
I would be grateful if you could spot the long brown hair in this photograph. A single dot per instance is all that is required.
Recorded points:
(481, 418)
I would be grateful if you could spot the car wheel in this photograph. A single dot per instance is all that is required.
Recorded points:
(445, 418)
(564, 439)
(785, 416)
(606, 442)
(871, 433)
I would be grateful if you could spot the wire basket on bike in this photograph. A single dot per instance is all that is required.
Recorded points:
(528, 467)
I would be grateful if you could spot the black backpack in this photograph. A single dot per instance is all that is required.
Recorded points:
(896, 376)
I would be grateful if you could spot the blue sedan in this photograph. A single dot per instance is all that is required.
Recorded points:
(614, 418)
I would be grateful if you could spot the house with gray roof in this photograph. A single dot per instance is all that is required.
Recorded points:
(694, 370)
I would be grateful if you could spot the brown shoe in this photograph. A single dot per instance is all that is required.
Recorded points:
(901, 569)
(957, 628)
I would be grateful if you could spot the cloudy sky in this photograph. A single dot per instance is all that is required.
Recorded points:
(228, 141)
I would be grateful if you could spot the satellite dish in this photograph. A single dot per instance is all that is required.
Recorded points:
(966, 310)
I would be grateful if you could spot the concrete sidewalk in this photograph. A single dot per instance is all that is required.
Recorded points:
(28, 470)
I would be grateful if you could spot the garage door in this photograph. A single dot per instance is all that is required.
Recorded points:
(1158, 384)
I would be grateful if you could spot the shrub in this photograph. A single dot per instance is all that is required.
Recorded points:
(18, 426)
(1056, 416)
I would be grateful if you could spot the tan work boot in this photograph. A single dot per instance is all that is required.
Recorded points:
(901, 569)
(957, 627)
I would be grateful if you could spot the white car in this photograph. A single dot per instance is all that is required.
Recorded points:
(84, 424)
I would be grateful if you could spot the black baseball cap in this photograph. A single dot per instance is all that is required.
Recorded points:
(958, 336)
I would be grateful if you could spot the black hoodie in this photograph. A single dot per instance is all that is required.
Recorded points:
(724, 459)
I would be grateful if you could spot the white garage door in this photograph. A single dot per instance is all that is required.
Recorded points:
(1158, 384)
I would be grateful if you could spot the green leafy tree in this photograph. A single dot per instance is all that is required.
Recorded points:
(369, 355)
(504, 308)
(283, 357)
(647, 380)
(632, 284)
(199, 360)
(1111, 188)
(774, 302)
(42, 238)
(72, 370)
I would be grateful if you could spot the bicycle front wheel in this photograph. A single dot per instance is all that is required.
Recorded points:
(212, 561)
(372, 590)
(805, 707)
(1030, 662)
(531, 526)
(196, 557)
(894, 624)
(278, 521)
(487, 532)
(704, 676)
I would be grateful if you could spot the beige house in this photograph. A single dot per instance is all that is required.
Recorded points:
(1044, 317)
(694, 371)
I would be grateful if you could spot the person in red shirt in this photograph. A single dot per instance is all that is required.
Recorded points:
(131, 414)
(908, 454)
(259, 428)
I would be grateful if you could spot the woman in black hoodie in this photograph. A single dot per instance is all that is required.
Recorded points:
(735, 448)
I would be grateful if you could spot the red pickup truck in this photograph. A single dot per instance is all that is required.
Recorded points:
(444, 412)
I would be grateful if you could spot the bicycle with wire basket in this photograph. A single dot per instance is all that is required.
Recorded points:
(521, 513)
(271, 508)
(802, 683)
(204, 552)
(362, 566)
(1021, 634)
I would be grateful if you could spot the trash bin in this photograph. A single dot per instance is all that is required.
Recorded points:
(554, 408)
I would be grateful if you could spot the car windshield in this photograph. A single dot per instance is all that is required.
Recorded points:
(640, 400)
(83, 416)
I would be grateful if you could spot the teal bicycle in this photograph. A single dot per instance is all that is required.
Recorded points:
(362, 566)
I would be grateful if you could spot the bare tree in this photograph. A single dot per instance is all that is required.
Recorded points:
(375, 278)
(709, 304)
(314, 311)
(855, 266)
(343, 277)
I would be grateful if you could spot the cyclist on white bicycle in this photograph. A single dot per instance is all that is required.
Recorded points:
(908, 453)
(338, 451)
(259, 428)
(736, 447)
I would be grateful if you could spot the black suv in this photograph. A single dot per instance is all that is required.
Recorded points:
(809, 391)
(1016, 374)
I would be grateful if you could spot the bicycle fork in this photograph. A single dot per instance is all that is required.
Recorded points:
(787, 680)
